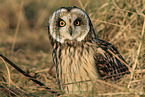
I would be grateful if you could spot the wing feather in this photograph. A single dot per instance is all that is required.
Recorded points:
(109, 62)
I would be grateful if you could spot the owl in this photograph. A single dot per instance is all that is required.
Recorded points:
(79, 56)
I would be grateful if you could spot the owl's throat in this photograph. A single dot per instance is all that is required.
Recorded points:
(71, 43)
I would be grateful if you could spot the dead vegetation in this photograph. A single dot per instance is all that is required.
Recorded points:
(24, 40)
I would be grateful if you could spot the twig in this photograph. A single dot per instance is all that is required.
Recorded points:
(140, 71)
(119, 93)
(81, 4)
(112, 85)
(17, 28)
(29, 76)
(7, 89)
(138, 52)
(9, 78)
(130, 69)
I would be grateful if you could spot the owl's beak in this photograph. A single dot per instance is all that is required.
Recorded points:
(70, 31)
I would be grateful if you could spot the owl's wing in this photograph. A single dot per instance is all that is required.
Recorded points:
(109, 62)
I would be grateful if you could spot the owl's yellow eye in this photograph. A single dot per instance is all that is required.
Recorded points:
(77, 22)
(62, 23)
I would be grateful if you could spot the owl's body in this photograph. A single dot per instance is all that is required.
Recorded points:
(76, 67)
(79, 56)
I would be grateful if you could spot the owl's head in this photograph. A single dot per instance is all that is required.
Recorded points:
(69, 24)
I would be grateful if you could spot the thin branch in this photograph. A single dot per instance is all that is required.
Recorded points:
(29, 76)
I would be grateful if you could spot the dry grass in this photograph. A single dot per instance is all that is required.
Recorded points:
(23, 39)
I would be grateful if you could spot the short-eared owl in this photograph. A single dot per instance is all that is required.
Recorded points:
(79, 57)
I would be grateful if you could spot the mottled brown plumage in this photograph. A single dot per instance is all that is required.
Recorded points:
(108, 65)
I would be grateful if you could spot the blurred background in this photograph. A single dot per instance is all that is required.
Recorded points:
(24, 40)
(24, 23)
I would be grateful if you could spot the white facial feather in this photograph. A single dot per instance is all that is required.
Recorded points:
(61, 34)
